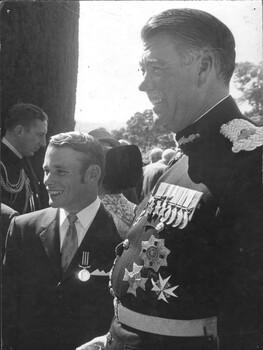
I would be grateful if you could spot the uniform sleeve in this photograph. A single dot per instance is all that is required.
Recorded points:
(241, 226)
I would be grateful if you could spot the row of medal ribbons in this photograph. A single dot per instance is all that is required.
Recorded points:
(173, 205)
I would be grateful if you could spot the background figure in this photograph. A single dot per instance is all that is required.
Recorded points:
(107, 142)
(26, 128)
(57, 261)
(167, 155)
(191, 271)
(130, 193)
(155, 155)
(122, 170)
(123, 142)
(6, 216)
(152, 171)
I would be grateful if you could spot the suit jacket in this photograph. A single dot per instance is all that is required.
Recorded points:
(43, 307)
(7, 215)
(11, 169)
(214, 261)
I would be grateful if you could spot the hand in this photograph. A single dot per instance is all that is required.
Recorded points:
(97, 343)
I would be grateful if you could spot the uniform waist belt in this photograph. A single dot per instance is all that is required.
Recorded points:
(166, 326)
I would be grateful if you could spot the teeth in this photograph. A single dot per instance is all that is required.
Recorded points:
(155, 101)
(55, 192)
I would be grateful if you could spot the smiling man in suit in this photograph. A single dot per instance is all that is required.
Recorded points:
(58, 259)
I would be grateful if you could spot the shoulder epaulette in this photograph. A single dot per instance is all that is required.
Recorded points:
(244, 135)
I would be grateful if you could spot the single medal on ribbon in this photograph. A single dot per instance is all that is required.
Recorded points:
(84, 274)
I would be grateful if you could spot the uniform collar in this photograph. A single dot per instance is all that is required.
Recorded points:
(210, 109)
(208, 124)
(12, 148)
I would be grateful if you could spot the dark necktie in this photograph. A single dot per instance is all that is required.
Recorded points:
(70, 243)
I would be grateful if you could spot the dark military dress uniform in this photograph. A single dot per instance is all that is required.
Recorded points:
(191, 267)
(19, 183)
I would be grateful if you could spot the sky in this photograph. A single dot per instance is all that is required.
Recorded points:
(110, 49)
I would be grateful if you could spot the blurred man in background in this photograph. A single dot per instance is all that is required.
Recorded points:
(26, 128)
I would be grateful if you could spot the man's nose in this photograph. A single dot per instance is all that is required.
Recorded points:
(146, 84)
(43, 141)
(48, 179)
(45, 180)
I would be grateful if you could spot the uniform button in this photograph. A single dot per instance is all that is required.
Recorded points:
(160, 226)
(126, 244)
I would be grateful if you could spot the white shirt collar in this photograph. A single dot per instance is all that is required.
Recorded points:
(12, 148)
(85, 219)
(85, 216)
(211, 108)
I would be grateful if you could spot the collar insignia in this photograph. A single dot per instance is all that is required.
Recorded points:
(244, 135)
(183, 140)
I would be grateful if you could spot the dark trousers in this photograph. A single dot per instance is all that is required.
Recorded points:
(244, 341)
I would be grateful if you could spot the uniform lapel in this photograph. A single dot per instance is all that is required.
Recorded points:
(50, 239)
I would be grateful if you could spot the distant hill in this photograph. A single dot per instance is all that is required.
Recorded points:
(88, 126)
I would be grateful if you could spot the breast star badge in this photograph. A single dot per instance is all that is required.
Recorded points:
(135, 279)
(162, 288)
(154, 253)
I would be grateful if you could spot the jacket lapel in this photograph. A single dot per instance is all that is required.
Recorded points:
(50, 239)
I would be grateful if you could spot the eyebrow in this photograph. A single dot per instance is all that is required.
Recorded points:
(148, 61)
(55, 166)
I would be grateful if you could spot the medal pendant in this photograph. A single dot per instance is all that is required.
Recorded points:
(84, 275)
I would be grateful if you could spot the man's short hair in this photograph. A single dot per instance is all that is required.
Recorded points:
(155, 154)
(167, 155)
(194, 30)
(91, 151)
(24, 114)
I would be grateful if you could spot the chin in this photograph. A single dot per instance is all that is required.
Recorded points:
(158, 119)
(53, 205)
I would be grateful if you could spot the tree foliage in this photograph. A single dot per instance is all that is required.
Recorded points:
(249, 80)
(142, 131)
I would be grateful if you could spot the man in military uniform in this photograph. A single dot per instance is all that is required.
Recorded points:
(189, 276)
(26, 128)
(57, 261)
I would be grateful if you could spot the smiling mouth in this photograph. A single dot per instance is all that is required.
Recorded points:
(54, 193)
(156, 101)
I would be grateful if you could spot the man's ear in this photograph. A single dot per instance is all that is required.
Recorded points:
(93, 174)
(19, 130)
(205, 67)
